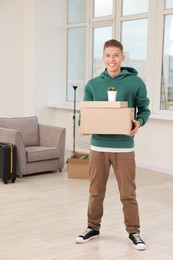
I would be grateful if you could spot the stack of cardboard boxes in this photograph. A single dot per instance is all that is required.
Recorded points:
(100, 117)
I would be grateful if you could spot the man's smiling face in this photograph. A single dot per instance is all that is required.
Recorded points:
(112, 58)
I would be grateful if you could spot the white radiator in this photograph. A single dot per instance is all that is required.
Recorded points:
(82, 142)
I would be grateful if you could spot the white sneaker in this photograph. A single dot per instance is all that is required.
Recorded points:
(89, 234)
(137, 242)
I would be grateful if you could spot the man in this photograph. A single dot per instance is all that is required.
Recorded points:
(115, 150)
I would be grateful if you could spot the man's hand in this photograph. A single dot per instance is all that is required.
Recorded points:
(136, 125)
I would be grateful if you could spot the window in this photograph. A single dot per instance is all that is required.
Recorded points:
(134, 39)
(168, 4)
(85, 39)
(134, 34)
(76, 11)
(76, 52)
(103, 8)
(100, 35)
(144, 27)
(134, 7)
(166, 102)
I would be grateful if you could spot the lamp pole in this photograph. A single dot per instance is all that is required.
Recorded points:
(74, 118)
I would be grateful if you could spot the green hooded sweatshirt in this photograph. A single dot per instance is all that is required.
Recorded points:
(130, 88)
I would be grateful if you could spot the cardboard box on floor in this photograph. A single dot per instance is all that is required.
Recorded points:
(77, 168)
(106, 117)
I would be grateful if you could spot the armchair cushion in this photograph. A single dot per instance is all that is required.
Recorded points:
(40, 153)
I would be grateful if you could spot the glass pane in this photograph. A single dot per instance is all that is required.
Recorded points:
(76, 11)
(134, 39)
(166, 101)
(76, 60)
(103, 7)
(100, 36)
(134, 7)
(168, 4)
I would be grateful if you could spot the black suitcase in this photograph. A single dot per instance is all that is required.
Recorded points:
(8, 162)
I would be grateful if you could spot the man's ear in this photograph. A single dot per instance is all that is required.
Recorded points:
(123, 58)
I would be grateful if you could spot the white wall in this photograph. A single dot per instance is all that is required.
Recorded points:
(32, 40)
(29, 38)
(32, 75)
(154, 146)
(11, 57)
(50, 56)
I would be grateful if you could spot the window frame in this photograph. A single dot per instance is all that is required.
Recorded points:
(157, 62)
(155, 34)
(101, 18)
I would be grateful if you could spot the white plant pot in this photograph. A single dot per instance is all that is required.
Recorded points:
(112, 95)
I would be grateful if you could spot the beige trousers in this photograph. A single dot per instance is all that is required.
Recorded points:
(124, 168)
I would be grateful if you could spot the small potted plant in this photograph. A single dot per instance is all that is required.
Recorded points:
(112, 92)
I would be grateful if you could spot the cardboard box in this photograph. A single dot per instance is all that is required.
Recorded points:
(103, 117)
(77, 168)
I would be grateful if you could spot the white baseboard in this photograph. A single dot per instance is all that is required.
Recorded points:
(154, 168)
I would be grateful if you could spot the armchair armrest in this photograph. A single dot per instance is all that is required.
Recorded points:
(15, 137)
(53, 136)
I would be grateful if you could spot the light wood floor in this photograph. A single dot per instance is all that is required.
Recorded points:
(41, 215)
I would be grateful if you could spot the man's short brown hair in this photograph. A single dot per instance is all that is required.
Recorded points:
(113, 43)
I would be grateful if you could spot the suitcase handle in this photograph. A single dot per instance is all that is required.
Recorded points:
(11, 159)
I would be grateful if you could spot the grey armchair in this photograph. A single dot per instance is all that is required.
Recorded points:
(40, 148)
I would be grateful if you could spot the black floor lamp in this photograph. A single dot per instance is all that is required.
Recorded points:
(74, 119)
